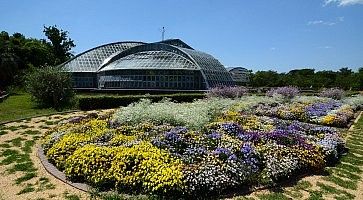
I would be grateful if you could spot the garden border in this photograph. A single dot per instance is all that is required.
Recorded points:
(52, 170)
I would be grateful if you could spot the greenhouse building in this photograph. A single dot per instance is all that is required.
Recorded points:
(166, 65)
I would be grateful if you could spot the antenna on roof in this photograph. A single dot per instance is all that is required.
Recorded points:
(162, 33)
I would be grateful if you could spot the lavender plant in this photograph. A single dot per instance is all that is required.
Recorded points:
(334, 93)
(288, 92)
(227, 91)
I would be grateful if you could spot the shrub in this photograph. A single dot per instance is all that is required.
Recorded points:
(193, 115)
(50, 86)
(227, 92)
(98, 102)
(356, 102)
(334, 93)
(288, 92)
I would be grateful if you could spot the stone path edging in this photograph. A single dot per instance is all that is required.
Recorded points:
(51, 169)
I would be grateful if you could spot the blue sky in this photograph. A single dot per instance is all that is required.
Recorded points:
(275, 35)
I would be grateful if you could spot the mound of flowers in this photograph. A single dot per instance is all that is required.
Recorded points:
(324, 111)
(174, 156)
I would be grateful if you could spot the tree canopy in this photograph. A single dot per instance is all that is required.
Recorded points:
(19, 53)
(344, 78)
(61, 44)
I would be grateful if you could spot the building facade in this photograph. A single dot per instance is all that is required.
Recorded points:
(240, 75)
(166, 65)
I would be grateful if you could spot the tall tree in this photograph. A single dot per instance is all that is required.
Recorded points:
(60, 43)
(345, 78)
(266, 78)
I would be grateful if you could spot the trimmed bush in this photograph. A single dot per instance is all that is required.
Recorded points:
(105, 102)
(50, 86)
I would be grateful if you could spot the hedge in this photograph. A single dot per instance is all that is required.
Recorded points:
(105, 102)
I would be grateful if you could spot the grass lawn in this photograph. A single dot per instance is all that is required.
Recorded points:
(20, 105)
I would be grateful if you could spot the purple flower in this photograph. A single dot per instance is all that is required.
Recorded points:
(321, 109)
(227, 91)
(246, 149)
(232, 157)
(214, 135)
(334, 93)
(223, 153)
(249, 136)
(172, 136)
(287, 92)
(231, 128)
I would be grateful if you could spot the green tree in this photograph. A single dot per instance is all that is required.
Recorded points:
(324, 79)
(19, 53)
(50, 86)
(267, 78)
(302, 78)
(8, 69)
(61, 44)
(38, 53)
(345, 78)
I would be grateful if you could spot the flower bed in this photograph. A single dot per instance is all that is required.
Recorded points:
(322, 111)
(207, 147)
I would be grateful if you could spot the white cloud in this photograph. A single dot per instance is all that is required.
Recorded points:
(272, 48)
(341, 19)
(325, 47)
(343, 2)
(327, 23)
(321, 22)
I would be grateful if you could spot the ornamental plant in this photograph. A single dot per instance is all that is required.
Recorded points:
(334, 93)
(50, 86)
(288, 92)
(154, 148)
(227, 91)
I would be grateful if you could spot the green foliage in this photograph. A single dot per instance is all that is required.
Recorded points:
(193, 115)
(309, 79)
(19, 106)
(61, 44)
(50, 87)
(28, 188)
(273, 196)
(98, 102)
(71, 197)
(25, 177)
(18, 53)
(266, 78)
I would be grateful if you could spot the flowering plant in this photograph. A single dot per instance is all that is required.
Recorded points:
(334, 93)
(287, 92)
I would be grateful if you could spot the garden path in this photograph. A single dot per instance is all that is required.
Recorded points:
(22, 174)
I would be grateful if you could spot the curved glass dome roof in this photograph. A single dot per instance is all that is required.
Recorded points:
(169, 64)
(213, 70)
(89, 61)
(151, 60)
